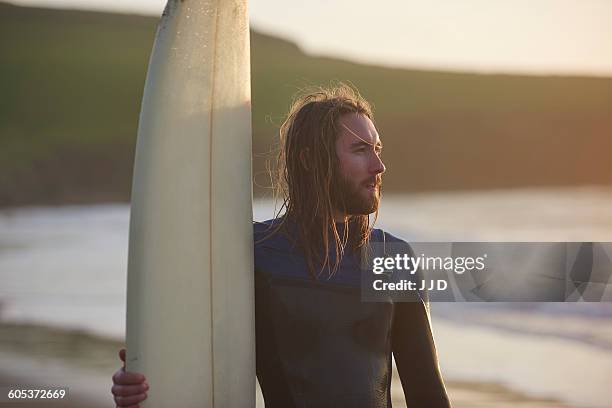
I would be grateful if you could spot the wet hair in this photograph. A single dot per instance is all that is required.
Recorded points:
(307, 179)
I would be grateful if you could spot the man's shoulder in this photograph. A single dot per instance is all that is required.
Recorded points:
(262, 226)
(379, 235)
(265, 228)
(271, 233)
(388, 242)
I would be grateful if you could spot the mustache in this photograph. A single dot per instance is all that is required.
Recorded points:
(377, 181)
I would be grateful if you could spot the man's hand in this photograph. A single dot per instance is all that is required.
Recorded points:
(129, 389)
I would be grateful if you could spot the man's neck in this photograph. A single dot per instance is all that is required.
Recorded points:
(339, 216)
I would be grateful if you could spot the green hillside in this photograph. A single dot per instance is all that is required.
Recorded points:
(72, 81)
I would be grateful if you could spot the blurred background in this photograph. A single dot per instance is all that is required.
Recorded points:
(497, 124)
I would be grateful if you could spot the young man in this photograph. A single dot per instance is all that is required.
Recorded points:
(318, 344)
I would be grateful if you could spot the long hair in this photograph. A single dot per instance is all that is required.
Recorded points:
(307, 176)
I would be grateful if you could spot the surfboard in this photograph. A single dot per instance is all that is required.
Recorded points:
(190, 291)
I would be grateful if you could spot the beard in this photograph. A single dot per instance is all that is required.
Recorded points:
(355, 199)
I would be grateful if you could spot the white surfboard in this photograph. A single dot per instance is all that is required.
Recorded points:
(190, 309)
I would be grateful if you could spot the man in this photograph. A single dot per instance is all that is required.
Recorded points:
(318, 344)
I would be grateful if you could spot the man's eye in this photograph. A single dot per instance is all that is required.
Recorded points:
(364, 149)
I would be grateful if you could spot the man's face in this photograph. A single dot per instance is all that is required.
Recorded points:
(358, 148)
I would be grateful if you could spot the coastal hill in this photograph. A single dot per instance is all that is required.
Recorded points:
(72, 83)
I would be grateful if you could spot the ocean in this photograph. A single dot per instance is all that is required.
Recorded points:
(66, 267)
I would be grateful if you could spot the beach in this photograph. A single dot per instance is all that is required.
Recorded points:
(34, 355)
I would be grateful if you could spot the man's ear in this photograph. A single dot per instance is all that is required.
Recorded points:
(305, 158)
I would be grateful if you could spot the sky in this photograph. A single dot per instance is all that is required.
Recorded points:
(514, 36)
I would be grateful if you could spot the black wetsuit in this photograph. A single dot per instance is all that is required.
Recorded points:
(319, 345)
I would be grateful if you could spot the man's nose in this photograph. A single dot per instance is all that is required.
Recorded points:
(378, 167)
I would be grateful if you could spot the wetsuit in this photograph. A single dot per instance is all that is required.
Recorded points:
(319, 345)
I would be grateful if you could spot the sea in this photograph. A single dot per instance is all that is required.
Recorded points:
(66, 267)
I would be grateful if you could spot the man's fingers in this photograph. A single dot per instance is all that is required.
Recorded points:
(129, 390)
(128, 401)
(122, 356)
(126, 378)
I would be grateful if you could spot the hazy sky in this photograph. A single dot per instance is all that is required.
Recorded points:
(537, 36)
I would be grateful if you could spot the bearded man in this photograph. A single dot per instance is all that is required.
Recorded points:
(318, 343)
